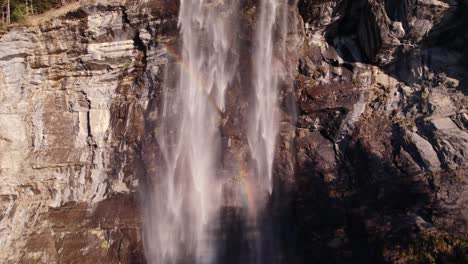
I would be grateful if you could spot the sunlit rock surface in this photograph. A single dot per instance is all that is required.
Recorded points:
(72, 110)
(371, 166)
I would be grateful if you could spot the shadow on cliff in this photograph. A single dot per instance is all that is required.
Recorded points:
(361, 216)
(345, 36)
(443, 50)
(359, 35)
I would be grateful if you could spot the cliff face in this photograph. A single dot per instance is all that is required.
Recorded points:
(382, 129)
(374, 154)
(73, 102)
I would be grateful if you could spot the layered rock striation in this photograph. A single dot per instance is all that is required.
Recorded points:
(73, 106)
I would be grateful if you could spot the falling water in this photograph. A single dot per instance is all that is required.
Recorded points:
(264, 123)
(186, 195)
(267, 72)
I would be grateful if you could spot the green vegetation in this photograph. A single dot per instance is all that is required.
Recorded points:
(17, 11)
(43, 5)
(440, 248)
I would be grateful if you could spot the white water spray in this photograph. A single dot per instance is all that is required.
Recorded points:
(267, 72)
(185, 196)
(187, 193)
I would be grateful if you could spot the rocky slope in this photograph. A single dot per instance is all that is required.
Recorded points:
(372, 166)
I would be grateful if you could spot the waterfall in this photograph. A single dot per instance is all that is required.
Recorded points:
(264, 122)
(267, 70)
(186, 196)
(187, 193)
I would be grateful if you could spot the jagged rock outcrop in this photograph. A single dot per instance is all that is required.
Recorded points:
(374, 156)
(381, 87)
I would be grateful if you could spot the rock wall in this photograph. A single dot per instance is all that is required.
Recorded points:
(377, 128)
(381, 134)
(72, 110)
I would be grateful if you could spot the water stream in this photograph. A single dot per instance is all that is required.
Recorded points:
(267, 70)
(183, 206)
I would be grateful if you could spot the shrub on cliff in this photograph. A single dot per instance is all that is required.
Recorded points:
(18, 10)
(41, 6)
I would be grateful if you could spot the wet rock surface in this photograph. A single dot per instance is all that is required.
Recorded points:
(372, 159)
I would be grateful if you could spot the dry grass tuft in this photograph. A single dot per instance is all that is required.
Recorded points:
(53, 13)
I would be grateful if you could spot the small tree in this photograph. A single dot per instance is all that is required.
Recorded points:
(8, 13)
(3, 12)
(29, 6)
(18, 10)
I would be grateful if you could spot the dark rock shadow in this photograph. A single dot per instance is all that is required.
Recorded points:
(355, 35)
(443, 50)
(361, 33)
(371, 208)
